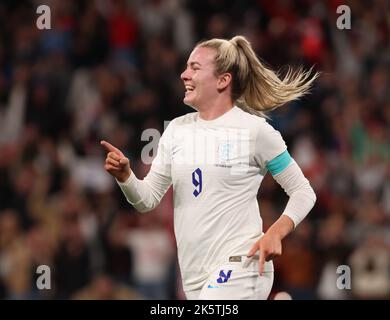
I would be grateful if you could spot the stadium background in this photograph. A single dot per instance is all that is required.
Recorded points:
(110, 69)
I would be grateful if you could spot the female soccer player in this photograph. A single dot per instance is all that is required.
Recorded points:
(216, 159)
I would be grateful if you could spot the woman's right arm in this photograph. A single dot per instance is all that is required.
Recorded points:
(144, 194)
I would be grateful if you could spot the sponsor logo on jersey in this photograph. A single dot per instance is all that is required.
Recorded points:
(223, 278)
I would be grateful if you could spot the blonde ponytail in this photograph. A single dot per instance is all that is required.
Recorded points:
(256, 88)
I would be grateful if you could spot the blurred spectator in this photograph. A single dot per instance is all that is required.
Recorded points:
(103, 288)
(371, 264)
(298, 267)
(153, 254)
(15, 257)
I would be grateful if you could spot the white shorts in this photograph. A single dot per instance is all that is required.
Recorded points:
(236, 281)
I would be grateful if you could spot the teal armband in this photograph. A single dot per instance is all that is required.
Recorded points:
(279, 163)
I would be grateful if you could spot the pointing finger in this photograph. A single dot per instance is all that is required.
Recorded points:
(109, 147)
(253, 250)
(261, 262)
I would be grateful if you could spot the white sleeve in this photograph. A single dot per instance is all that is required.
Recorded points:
(146, 194)
(269, 144)
(302, 196)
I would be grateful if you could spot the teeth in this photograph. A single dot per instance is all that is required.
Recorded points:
(190, 88)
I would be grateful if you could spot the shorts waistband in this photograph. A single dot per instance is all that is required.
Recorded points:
(241, 258)
(251, 263)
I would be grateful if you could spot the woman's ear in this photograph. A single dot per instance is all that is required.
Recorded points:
(224, 80)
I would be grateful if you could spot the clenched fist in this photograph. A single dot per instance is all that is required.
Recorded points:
(116, 163)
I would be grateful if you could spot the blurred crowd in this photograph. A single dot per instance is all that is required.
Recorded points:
(109, 69)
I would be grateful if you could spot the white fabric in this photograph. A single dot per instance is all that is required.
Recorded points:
(244, 283)
(302, 196)
(223, 220)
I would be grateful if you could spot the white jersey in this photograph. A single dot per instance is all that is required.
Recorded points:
(216, 168)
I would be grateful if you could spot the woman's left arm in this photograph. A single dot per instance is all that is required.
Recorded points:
(301, 201)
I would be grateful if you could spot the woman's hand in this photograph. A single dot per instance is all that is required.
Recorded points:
(116, 163)
(270, 244)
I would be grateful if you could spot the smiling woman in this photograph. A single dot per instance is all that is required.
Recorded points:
(199, 78)
(254, 87)
(218, 228)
